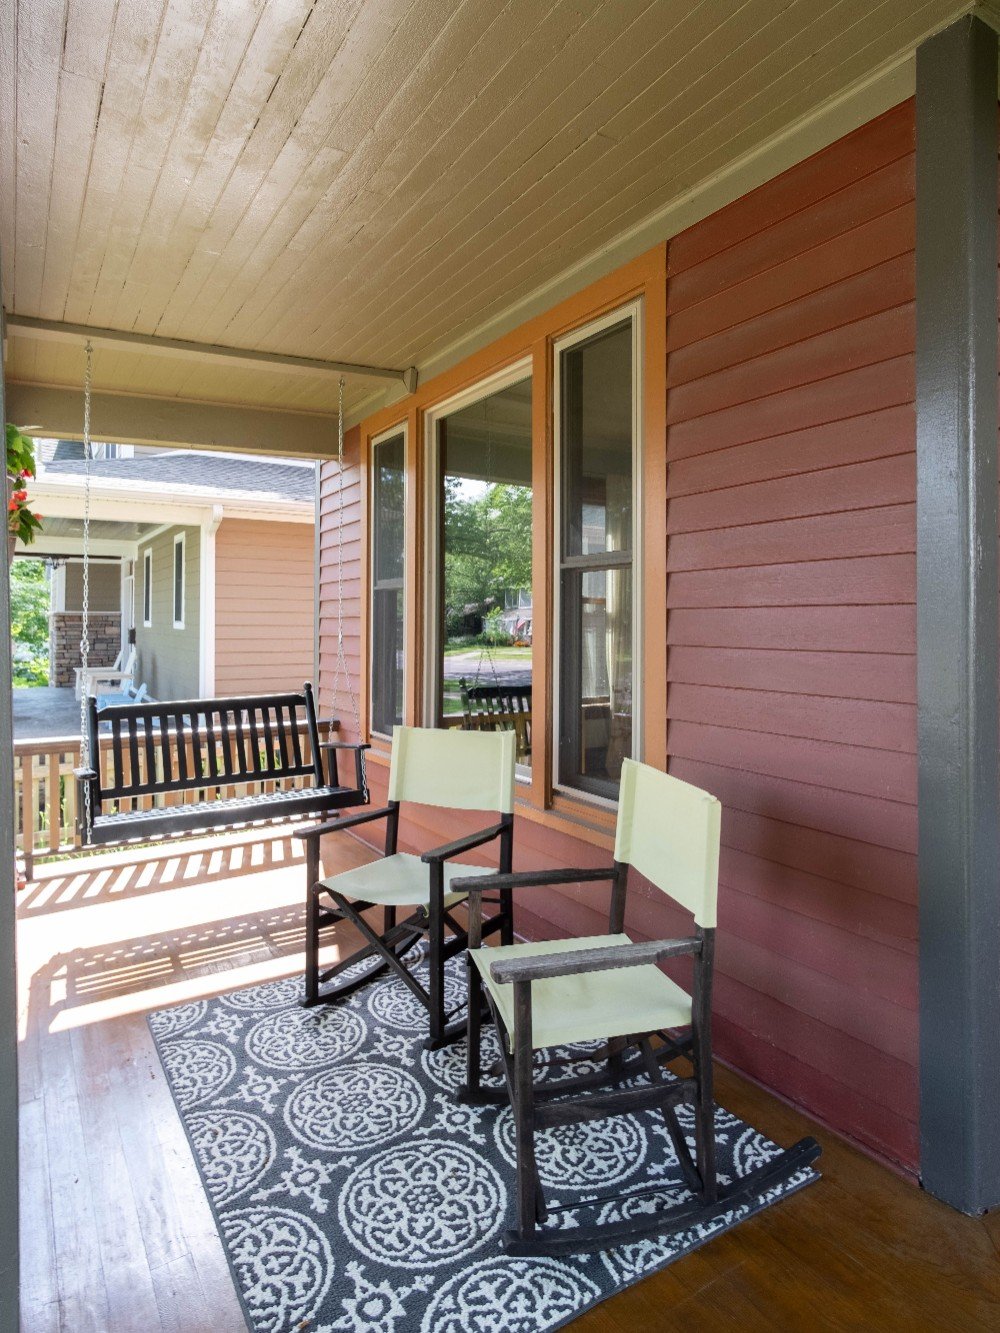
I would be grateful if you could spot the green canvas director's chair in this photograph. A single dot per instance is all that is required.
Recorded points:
(451, 770)
(607, 989)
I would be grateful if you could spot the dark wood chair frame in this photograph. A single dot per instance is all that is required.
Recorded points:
(387, 948)
(558, 1101)
(219, 743)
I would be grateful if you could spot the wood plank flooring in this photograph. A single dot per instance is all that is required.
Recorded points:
(116, 1232)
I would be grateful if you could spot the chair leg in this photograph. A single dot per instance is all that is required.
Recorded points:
(435, 961)
(705, 1118)
(524, 1115)
(312, 944)
(474, 1029)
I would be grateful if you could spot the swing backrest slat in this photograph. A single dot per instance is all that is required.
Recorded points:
(204, 743)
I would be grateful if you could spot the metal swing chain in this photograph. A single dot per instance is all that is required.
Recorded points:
(85, 617)
(342, 665)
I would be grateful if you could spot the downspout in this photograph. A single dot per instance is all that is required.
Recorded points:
(206, 616)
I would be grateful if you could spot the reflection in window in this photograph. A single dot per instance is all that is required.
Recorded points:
(387, 585)
(484, 453)
(596, 593)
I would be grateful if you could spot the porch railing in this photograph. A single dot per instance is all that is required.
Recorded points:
(45, 792)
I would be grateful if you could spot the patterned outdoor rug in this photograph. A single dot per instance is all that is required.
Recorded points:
(352, 1193)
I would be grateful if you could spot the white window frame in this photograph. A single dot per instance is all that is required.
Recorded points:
(516, 373)
(179, 540)
(147, 587)
(633, 310)
(374, 442)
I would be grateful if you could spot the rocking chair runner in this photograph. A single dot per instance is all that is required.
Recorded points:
(606, 988)
(453, 770)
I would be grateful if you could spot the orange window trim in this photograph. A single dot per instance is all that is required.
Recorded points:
(645, 278)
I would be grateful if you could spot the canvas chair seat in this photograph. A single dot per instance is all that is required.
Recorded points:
(592, 1006)
(400, 880)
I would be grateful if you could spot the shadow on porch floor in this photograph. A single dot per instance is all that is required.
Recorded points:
(116, 1232)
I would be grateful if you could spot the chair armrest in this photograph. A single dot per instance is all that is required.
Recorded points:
(450, 849)
(541, 967)
(334, 825)
(528, 879)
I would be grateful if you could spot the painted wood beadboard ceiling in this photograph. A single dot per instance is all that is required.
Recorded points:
(369, 180)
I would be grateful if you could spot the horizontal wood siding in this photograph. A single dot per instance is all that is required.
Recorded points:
(791, 627)
(789, 536)
(340, 539)
(264, 606)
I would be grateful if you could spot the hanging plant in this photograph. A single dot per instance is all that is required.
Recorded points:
(21, 521)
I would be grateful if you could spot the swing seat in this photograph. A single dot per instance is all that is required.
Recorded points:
(193, 750)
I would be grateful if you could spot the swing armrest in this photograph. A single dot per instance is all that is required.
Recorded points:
(542, 967)
(466, 844)
(334, 825)
(85, 774)
(345, 745)
(528, 879)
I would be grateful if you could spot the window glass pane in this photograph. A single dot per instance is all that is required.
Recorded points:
(388, 492)
(596, 413)
(596, 677)
(388, 509)
(485, 566)
(178, 580)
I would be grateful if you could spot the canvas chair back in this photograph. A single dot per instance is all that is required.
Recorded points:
(670, 832)
(457, 770)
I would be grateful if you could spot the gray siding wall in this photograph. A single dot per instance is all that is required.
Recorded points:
(105, 586)
(168, 658)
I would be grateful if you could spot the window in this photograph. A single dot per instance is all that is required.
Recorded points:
(388, 494)
(178, 584)
(480, 596)
(596, 404)
(147, 587)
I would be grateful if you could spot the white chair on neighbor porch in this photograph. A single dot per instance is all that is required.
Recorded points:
(103, 679)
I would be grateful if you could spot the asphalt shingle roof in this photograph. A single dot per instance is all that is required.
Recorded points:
(245, 475)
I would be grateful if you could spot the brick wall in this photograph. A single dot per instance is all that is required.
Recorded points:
(64, 642)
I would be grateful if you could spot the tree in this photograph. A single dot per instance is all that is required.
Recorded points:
(487, 544)
(29, 622)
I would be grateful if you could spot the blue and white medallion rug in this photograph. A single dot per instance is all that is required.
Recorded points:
(352, 1193)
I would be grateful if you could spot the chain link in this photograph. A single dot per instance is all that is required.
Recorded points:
(343, 667)
(85, 758)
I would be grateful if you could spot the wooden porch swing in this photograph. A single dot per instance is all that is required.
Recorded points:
(198, 748)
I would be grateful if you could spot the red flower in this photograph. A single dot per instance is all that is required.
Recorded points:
(12, 505)
(20, 496)
(27, 473)
(38, 516)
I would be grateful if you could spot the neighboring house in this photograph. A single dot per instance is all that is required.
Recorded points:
(209, 557)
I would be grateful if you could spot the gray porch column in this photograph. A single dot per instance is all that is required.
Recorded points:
(8, 989)
(957, 616)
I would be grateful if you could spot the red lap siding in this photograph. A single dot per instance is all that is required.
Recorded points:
(790, 555)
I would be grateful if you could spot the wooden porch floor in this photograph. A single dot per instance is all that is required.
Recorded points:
(117, 1234)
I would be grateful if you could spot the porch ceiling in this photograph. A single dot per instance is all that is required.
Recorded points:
(370, 180)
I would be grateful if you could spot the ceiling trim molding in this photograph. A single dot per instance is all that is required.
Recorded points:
(118, 340)
(122, 418)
